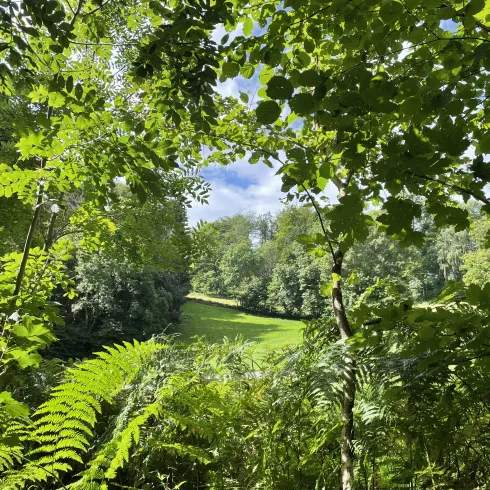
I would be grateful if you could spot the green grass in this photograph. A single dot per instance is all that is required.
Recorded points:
(217, 322)
(212, 299)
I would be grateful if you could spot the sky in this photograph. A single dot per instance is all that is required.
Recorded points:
(241, 186)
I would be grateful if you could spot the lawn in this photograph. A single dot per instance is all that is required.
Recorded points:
(212, 299)
(216, 322)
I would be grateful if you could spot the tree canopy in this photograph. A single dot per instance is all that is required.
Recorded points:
(385, 100)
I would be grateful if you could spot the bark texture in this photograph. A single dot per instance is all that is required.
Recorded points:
(349, 380)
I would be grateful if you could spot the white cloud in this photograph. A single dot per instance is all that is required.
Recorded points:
(243, 187)
(239, 188)
(229, 88)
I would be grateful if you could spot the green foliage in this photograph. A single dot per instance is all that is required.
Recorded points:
(27, 318)
(117, 301)
(59, 433)
(273, 273)
(379, 99)
(476, 263)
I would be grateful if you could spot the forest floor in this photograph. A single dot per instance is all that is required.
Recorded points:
(217, 322)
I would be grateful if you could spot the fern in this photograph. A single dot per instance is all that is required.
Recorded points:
(60, 430)
(115, 454)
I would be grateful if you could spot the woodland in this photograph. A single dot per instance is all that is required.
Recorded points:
(109, 112)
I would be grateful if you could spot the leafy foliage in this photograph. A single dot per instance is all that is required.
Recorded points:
(59, 431)
(385, 100)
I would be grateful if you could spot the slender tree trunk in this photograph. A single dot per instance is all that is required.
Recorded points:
(50, 236)
(28, 242)
(32, 228)
(349, 380)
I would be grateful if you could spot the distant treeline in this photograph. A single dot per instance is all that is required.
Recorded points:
(257, 260)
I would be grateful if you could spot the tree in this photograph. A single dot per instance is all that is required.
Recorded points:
(451, 249)
(393, 106)
(237, 266)
(379, 99)
(284, 289)
(476, 263)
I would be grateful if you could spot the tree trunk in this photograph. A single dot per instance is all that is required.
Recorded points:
(50, 236)
(349, 380)
(32, 228)
(28, 242)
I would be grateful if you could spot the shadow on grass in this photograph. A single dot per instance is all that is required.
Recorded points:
(215, 322)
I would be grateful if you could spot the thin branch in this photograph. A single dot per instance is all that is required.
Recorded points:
(321, 221)
(458, 188)
(77, 12)
(483, 26)
(71, 8)
(85, 43)
(311, 15)
(103, 4)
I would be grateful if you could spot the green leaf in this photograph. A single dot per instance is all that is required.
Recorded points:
(28, 360)
(427, 332)
(326, 289)
(69, 84)
(267, 112)
(309, 45)
(302, 104)
(474, 7)
(244, 97)
(231, 69)
(391, 11)
(78, 91)
(304, 239)
(303, 59)
(309, 78)
(484, 143)
(266, 74)
(12, 406)
(20, 330)
(279, 88)
(247, 71)
(248, 26)
(56, 48)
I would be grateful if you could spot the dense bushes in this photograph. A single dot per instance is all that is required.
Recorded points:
(118, 302)
(192, 417)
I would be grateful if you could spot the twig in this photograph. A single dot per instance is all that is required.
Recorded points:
(321, 221)
(103, 4)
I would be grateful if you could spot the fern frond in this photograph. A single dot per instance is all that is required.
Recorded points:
(58, 435)
(9, 456)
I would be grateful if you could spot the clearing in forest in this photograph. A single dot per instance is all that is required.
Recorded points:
(217, 322)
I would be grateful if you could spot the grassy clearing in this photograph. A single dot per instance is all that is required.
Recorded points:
(212, 299)
(216, 322)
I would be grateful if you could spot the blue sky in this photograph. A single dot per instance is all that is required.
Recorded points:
(241, 186)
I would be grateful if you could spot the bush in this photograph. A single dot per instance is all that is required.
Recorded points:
(117, 302)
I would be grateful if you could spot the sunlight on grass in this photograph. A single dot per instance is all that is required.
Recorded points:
(212, 299)
(216, 322)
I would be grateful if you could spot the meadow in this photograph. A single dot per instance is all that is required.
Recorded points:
(217, 322)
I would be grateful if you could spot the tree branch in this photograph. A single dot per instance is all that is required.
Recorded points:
(77, 12)
(103, 4)
(458, 188)
(321, 221)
